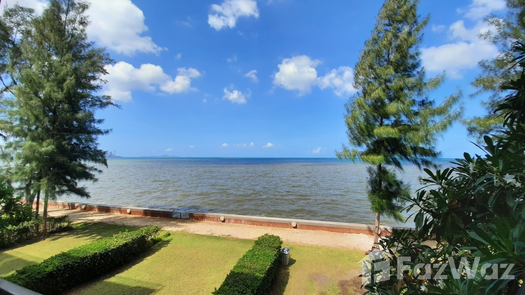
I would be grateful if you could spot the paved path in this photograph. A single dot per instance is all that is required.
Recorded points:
(288, 235)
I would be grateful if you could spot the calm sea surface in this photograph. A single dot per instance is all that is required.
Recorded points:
(319, 189)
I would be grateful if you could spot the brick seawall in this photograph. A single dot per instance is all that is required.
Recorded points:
(299, 224)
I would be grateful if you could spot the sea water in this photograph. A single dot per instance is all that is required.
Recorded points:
(316, 189)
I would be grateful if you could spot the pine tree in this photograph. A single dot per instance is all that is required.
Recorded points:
(500, 69)
(53, 131)
(13, 22)
(390, 118)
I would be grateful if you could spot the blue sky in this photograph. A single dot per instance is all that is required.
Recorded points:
(247, 78)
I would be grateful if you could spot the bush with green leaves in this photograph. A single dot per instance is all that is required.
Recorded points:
(82, 264)
(255, 271)
(473, 211)
(15, 234)
(12, 211)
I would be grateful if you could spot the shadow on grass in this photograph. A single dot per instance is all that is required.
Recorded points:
(101, 286)
(93, 231)
(9, 263)
(116, 288)
(283, 276)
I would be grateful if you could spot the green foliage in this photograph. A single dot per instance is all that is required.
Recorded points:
(255, 271)
(12, 212)
(382, 185)
(391, 119)
(14, 234)
(474, 210)
(497, 71)
(79, 265)
(53, 75)
(21, 232)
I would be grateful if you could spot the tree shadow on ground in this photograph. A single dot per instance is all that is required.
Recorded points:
(93, 231)
(122, 289)
(283, 276)
(9, 263)
(106, 287)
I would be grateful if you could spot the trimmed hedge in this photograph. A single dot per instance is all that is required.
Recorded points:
(254, 272)
(14, 234)
(82, 264)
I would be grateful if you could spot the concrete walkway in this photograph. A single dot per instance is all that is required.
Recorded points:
(288, 235)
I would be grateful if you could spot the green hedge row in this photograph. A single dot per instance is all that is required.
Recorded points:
(79, 265)
(254, 272)
(14, 234)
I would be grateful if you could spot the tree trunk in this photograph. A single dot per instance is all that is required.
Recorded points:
(45, 217)
(37, 204)
(377, 228)
(378, 214)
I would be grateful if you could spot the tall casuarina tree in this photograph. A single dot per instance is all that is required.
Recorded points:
(503, 68)
(390, 119)
(52, 129)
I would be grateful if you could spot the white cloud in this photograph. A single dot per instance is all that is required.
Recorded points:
(178, 56)
(119, 25)
(438, 28)
(251, 143)
(481, 8)
(297, 73)
(456, 57)
(123, 78)
(467, 49)
(252, 75)
(232, 59)
(168, 149)
(340, 80)
(458, 31)
(226, 14)
(191, 146)
(234, 96)
(182, 82)
(268, 145)
(116, 24)
(224, 145)
(187, 23)
(37, 5)
(240, 145)
(317, 150)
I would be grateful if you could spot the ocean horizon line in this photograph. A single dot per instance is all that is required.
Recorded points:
(211, 157)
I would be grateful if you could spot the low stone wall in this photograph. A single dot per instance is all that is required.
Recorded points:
(302, 224)
(165, 213)
(299, 224)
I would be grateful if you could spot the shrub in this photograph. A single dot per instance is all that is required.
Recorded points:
(12, 211)
(255, 271)
(476, 212)
(14, 234)
(79, 265)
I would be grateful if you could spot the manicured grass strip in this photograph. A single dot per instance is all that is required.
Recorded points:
(188, 265)
(84, 263)
(36, 251)
(255, 271)
(317, 270)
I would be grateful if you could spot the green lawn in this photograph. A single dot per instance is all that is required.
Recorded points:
(320, 270)
(196, 264)
(82, 233)
(188, 264)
